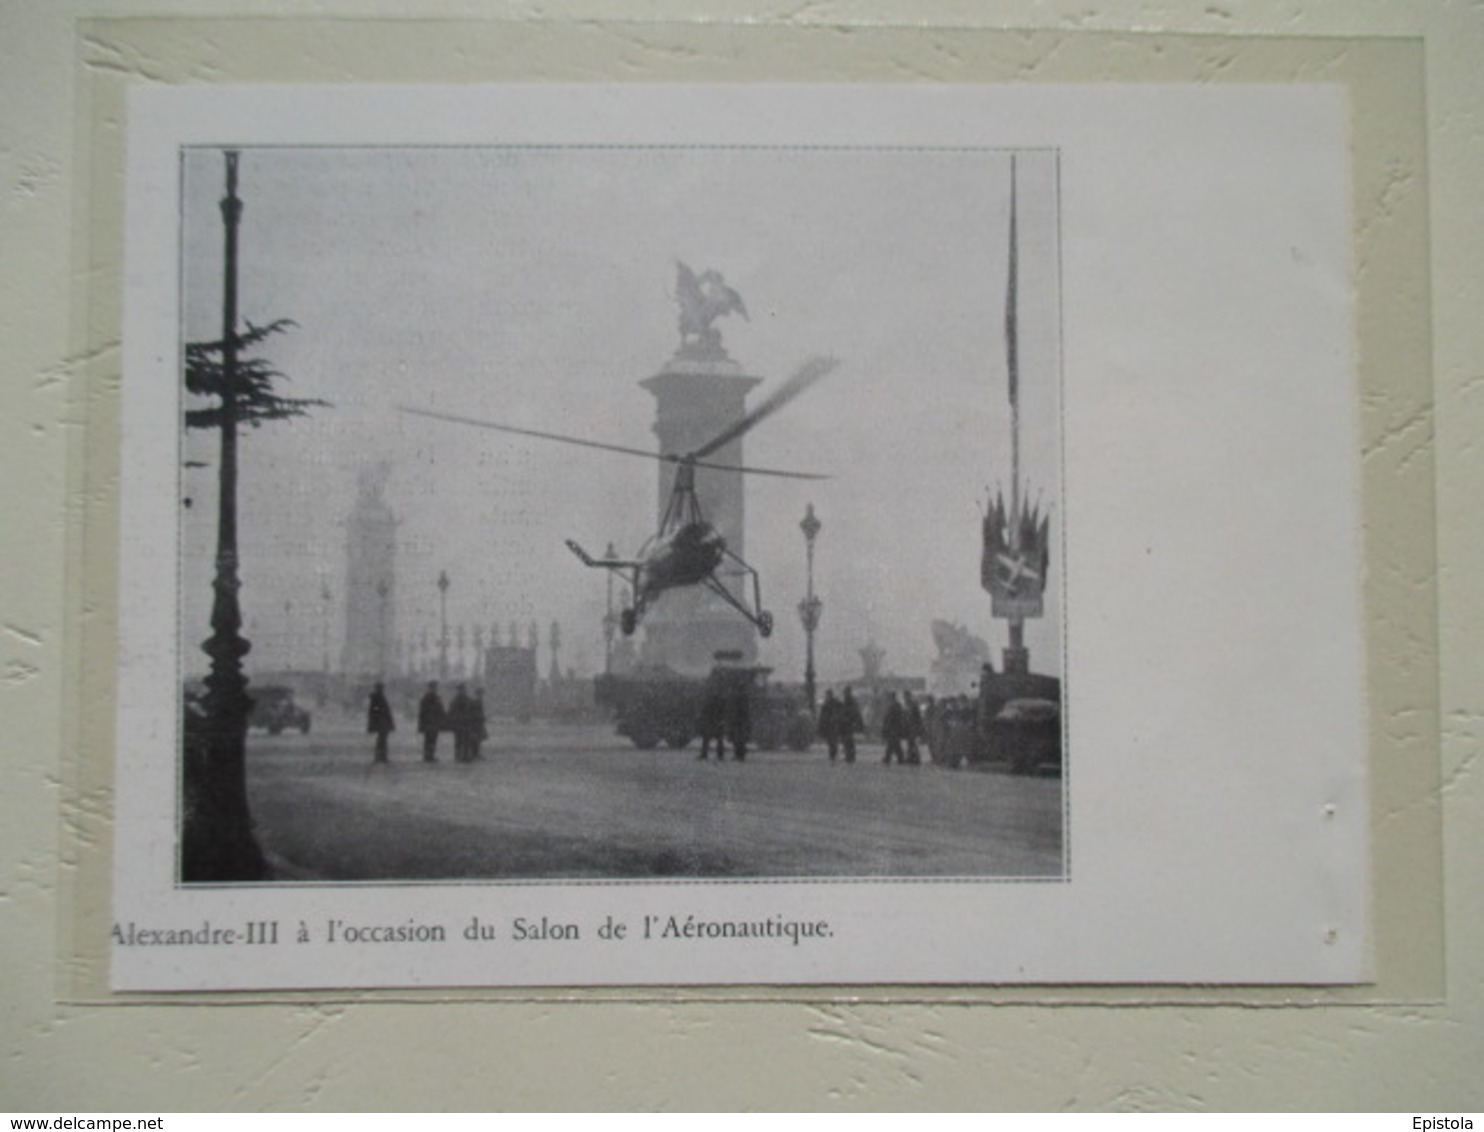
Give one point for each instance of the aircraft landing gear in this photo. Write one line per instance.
(765, 624)
(627, 621)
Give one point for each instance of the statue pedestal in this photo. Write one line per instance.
(1017, 661)
(697, 398)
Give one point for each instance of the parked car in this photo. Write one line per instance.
(1027, 733)
(275, 710)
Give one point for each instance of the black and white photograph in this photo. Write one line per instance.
(682, 535)
(626, 513)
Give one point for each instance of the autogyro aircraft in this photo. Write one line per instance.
(686, 550)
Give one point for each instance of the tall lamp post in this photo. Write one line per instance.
(610, 619)
(219, 842)
(288, 635)
(811, 607)
(443, 584)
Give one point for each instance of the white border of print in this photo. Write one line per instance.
(1211, 493)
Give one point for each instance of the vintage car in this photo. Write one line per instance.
(275, 710)
(1027, 734)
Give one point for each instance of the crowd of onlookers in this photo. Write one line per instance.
(908, 726)
(463, 718)
(946, 730)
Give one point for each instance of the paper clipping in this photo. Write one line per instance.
(581, 536)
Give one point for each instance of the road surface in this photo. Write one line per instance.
(570, 801)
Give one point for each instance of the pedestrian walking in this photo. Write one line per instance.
(739, 721)
(712, 721)
(830, 725)
(932, 737)
(379, 721)
(851, 724)
(914, 729)
(431, 720)
(460, 722)
(893, 729)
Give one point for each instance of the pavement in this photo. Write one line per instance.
(573, 801)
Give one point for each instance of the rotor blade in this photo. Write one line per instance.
(761, 471)
(805, 376)
(532, 432)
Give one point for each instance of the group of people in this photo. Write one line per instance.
(464, 717)
(840, 721)
(902, 727)
(902, 730)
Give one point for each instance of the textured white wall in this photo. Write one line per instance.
(670, 1055)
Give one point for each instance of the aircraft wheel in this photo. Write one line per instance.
(628, 621)
(765, 623)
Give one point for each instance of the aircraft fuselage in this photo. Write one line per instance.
(685, 557)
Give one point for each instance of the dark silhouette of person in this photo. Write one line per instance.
(712, 721)
(739, 721)
(431, 719)
(831, 722)
(379, 721)
(913, 730)
(894, 729)
(460, 722)
(932, 736)
(851, 723)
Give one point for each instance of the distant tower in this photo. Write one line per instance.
(370, 580)
(698, 393)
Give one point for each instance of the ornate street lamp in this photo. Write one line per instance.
(811, 607)
(443, 584)
(288, 635)
(219, 842)
(610, 619)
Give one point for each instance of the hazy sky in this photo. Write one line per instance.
(535, 287)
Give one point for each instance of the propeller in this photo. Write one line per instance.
(802, 378)
(437, 416)
(806, 375)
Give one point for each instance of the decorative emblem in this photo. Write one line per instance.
(1015, 559)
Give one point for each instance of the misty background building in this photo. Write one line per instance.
(370, 580)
